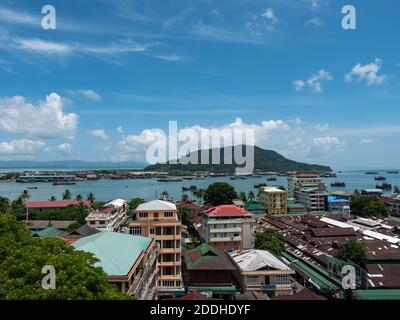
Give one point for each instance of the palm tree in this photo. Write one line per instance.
(185, 197)
(67, 195)
(242, 196)
(25, 195)
(91, 198)
(251, 196)
(164, 195)
(52, 198)
(79, 197)
(396, 189)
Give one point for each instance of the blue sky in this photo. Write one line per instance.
(113, 70)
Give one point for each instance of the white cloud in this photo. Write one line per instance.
(292, 138)
(169, 57)
(315, 22)
(17, 17)
(322, 127)
(87, 93)
(368, 141)
(315, 3)
(46, 120)
(65, 148)
(99, 133)
(327, 145)
(41, 46)
(299, 84)
(368, 72)
(120, 129)
(22, 147)
(257, 24)
(314, 82)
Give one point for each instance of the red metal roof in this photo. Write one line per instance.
(226, 210)
(54, 204)
(306, 175)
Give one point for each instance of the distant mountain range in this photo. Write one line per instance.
(264, 160)
(70, 164)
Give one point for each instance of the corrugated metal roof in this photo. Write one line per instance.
(156, 205)
(117, 252)
(253, 260)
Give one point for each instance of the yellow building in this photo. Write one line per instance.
(159, 220)
(274, 199)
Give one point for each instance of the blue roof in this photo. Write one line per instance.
(117, 252)
(332, 199)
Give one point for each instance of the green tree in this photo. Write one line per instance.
(396, 190)
(91, 198)
(251, 196)
(5, 205)
(354, 251)
(67, 195)
(186, 216)
(185, 197)
(270, 240)
(133, 204)
(72, 227)
(368, 206)
(22, 258)
(242, 196)
(219, 193)
(79, 197)
(53, 198)
(164, 195)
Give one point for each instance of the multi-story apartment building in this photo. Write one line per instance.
(159, 220)
(299, 181)
(228, 226)
(110, 217)
(275, 200)
(130, 262)
(314, 199)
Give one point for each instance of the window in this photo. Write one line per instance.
(135, 230)
(143, 215)
(168, 214)
(102, 222)
(151, 230)
(252, 279)
(92, 222)
(168, 283)
(158, 231)
(282, 279)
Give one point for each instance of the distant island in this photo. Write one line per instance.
(70, 164)
(264, 161)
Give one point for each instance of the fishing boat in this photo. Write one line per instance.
(169, 180)
(31, 188)
(371, 172)
(338, 184)
(380, 178)
(384, 186)
(392, 172)
(64, 183)
(271, 179)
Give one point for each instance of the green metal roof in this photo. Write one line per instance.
(377, 294)
(117, 252)
(253, 206)
(215, 289)
(206, 257)
(317, 275)
(49, 232)
(295, 205)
